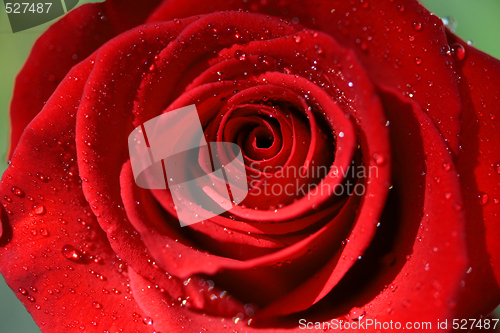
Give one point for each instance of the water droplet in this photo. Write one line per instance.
(297, 39)
(446, 49)
(458, 51)
(449, 22)
(17, 191)
(97, 305)
(379, 159)
(240, 55)
(483, 198)
(356, 313)
(31, 299)
(417, 25)
(250, 311)
(42, 177)
(418, 60)
(446, 167)
(457, 206)
(401, 8)
(39, 209)
(23, 291)
(69, 252)
(447, 195)
(148, 321)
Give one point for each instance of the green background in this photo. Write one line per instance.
(477, 20)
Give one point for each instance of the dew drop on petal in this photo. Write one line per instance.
(449, 22)
(97, 305)
(240, 55)
(417, 25)
(39, 209)
(483, 198)
(148, 321)
(69, 252)
(458, 51)
(356, 313)
(17, 191)
(446, 49)
(379, 159)
(496, 166)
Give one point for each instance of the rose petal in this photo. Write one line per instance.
(425, 285)
(173, 318)
(55, 255)
(81, 31)
(479, 167)
(392, 50)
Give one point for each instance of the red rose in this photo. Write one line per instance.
(345, 85)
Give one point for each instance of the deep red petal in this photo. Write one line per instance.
(54, 253)
(383, 34)
(67, 42)
(428, 255)
(170, 317)
(63, 45)
(479, 167)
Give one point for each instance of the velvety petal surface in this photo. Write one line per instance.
(54, 254)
